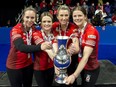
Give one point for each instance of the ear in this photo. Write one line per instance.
(86, 18)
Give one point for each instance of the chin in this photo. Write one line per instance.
(47, 29)
(63, 23)
(79, 23)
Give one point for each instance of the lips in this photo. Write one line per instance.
(77, 20)
(46, 26)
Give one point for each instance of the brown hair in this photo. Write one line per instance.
(46, 14)
(30, 8)
(80, 8)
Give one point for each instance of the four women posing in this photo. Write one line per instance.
(25, 39)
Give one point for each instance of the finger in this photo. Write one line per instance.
(65, 78)
(67, 83)
(64, 81)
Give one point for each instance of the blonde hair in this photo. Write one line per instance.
(63, 7)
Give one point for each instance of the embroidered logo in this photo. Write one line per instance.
(88, 78)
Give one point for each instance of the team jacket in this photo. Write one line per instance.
(90, 38)
(17, 59)
(41, 59)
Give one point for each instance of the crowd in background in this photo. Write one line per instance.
(100, 12)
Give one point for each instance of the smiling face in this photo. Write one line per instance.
(46, 23)
(63, 16)
(29, 18)
(79, 18)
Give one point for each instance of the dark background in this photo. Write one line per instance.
(9, 9)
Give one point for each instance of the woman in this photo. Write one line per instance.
(43, 64)
(19, 62)
(65, 28)
(88, 65)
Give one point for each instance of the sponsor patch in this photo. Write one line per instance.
(92, 36)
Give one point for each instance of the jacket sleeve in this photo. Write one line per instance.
(19, 45)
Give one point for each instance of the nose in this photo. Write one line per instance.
(29, 19)
(63, 17)
(46, 23)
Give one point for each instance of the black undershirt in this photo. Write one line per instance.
(19, 45)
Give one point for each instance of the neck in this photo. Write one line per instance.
(26, 29)
(64, 27)
(47, 32)
(81, 27)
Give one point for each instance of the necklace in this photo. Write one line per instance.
(80, 54)
(48, 37)
(28, 39)
(81, 31)
(60, 30)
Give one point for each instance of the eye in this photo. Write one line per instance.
(49, 21)
(61, 15)
(32, 17)
(74, 15)
(66, 15)
(43, 21)
(27, 17)
(79, 15)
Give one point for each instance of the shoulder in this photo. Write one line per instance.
(37, 33)
(72, 24)
(55, 24)
(90, 29)
(17, 28)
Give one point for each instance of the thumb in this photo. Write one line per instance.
(65, 79)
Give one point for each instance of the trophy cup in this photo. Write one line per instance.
(62, 59)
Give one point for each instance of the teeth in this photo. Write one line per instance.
(77, 20)
(47, 26)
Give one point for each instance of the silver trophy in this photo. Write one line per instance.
(62, 59)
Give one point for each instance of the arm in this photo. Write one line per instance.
(19, 44)
(74, 47)
(86, 53)
(52, 52)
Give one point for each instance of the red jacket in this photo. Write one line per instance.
(17, 59)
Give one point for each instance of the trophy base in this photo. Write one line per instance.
(60, 78)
